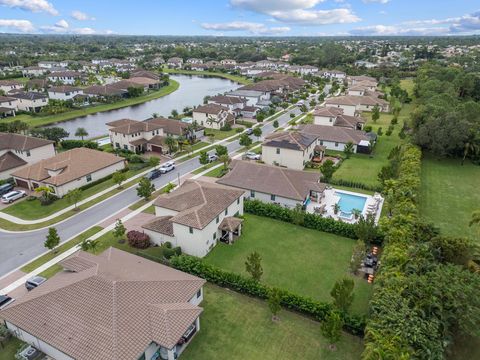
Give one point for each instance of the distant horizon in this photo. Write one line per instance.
(245, 18)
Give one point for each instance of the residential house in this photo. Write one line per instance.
(31, 101)
(18, 151)
(365, 64)
(289, 149)
(34, 71)
(336, 137)
(228, 62)
(231, 102)
(158, 61)
(7, 86)
(334, 75)
(104, 92)
(352, 104)
(304, 69)
(332, 116)
(8, 106)
(112, 306)
(354, 80)
(175, 62)
(68, 170)
(252, 97)
(177, 128)
(274, 184)
(52, 64)
(213, 116)
(193, 61)
(65, 77)
(39, 85)
(196, 216)
(124, 85)
(199, 67)
(137, 136)
(64, 92)
(140, 73)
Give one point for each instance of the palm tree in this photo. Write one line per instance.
(226, 160)
(155, 115)
(180, 142)
(170, 142)
(81, 132)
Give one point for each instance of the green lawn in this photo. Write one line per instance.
(31, 210)
(365, 168)
(235, 326)
(408, 85)
(10, 349)
(307, 262)
(449, 194)
(205, 167)
(196, 146)
(215, 172)
(240, 79)
(220, 134)
(34, 121)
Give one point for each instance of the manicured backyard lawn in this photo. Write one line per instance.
(364, 168)
(307, 262)
(449, 194)
(10, 349)
(235, 326)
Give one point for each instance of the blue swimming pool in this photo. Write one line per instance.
(348, 202)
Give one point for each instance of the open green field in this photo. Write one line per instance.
(235, 326)
(34, 121)
(449, 194)
(237, 78)
(307, 262)
(365, 168)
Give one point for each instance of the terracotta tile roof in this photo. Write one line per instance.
(58, 74)
(121, 122)
(125, 84)
(141, 80)
(73, 164)
(113, 309)
(289, 140)
(230, 223)
(10, 161)
(135, 127)
(170, 126)
(287, 183)
(4, 99)
(210, 109)
(145, 74)
(348, 121)
(10, 83)
(103, 90)
(355, 100)
(29, 95)
(161, 224)
(328, 111)
(334, 133)
(63, 89)
(198, 202)
(227, 100)
(21, 142)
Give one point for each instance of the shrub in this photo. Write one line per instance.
(168, 245)
(238, 130)
(138, 239)
(246, 285)
(367, 128)
(72, 144)
(226, 127)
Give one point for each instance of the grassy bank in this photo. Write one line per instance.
(240, 79)
(34, 121)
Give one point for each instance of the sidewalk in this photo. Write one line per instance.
(20, 221)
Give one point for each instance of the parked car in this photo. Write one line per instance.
(5, 188)
(252, 156)
(34, 282)
(155, 173)
(249, 131)
(168, 166)
(5, 300)
(12, 196)
(212, 157)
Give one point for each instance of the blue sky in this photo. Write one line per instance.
(242, 17)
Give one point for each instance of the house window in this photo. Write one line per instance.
(190, 230)
(226, 211)
(272, 197)
(278, 150)
(214, 235)
(125, 147)
(238, 201)
(89, 177)
(199, 293)
(252, 193)
(331, 119)
(117, 145)
(321, 142)
(336, 144)
(28, 152)
(218, 219)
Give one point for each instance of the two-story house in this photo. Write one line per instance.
(8, 105)
(64, 93)
(213, 116)
(196, 216)
(31, 101)
(64, 77)
(333, 116)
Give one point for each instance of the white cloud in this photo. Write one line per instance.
(31, 5)
(251, 27)
(81, 16)
(297, 11)
(61, 26)
(393, 30)
(84, 31)
(376, 1)
(17, 25)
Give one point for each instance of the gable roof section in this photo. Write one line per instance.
(113, 308)
(21, 142)
(210, 109)
(170, 126)
(135, 127)
(287, 183)
(334, 133)
(10, 161)
(197, 203)
(292, 140)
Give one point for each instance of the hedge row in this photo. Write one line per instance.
(72, 144)
(310, 221)
(355, 184)
(307, 306)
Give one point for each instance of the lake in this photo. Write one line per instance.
(191, 92)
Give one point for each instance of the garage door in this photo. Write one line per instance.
(22, 183)
(157, 149)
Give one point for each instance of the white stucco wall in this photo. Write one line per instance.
(324, 120)
(266, 198)
(339, 146)
(37, 154)
(63, 96)
(25, 104)
(292, 159)
(347, 109)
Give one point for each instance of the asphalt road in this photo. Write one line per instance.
(18, 248)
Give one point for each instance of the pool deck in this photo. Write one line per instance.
(373, 204)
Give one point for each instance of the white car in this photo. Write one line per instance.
(212, 157)
(12, 196)
(168, 166)
(252, 156)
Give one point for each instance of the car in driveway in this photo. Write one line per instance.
(34, 282)
(252, 156)
(5, 188)
(212, 157)
(168, 166)
(12, 196)
(5, 300)
(249, 131)
(155, 173)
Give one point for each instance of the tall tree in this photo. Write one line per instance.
(52, 240)
(225, 159)
(253, 265)
(342, 294)
(332, 328)
(221, 150)
(81, 132)
(145, 188)
(119, 230)
(74, 196)
(257, 132)
(245, 140)
(171, 143)
(327, 169)
(203, 158)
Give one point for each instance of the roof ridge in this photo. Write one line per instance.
(290, 183)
